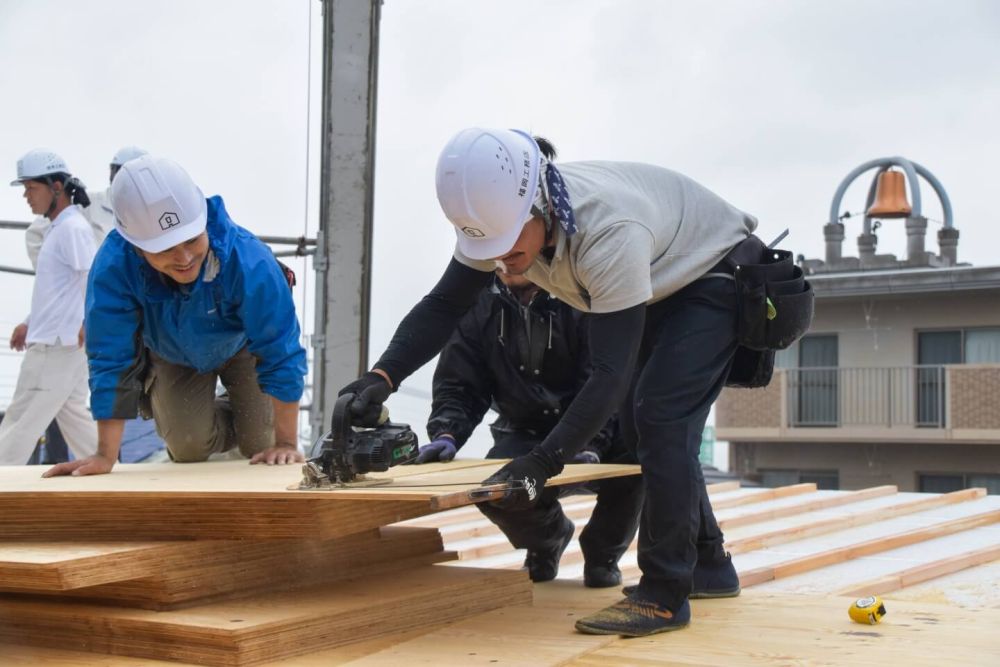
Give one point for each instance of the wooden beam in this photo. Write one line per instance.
(852, 551)
(924, 572)
(824, 526)
(810, 506)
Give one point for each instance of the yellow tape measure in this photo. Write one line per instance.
(867, 611)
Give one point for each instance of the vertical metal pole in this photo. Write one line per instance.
(347, 176)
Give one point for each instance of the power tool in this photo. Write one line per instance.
(341, 457)
(867, 611)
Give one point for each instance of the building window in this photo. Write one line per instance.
(935, 349)
(948, 482)
(814, 385)
(959, 346)
(827, 480)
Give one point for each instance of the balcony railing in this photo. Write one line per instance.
(832, 397)
(901, 404)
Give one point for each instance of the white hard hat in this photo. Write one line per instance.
(486, 184)
(127, 153)
(38, 163)
(156, 204)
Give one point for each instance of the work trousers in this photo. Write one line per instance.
(52, 384)
(686, 353)
(195, 423)
(612, 524)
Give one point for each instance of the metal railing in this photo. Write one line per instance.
(891, 397)
(304, 246)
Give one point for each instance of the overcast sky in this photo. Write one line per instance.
(770, 103)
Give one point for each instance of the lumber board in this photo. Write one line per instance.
(234, 500)
(576, 506)
(218, 570)
(760, 496)
(918, 574)
(269, 627)
(853, 520)
(795, 566)
(836, 500)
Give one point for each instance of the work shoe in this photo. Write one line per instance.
(634, 617)
(543, 565)
(604, 575)
(711, 580)
(717, 579)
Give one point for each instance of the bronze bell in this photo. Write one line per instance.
(890, 197)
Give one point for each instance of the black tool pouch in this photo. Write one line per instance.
(775, 301)
(751, 368)
(774, 305)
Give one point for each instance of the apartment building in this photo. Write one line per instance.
(898, 380)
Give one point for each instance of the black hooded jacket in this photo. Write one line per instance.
(526, 362)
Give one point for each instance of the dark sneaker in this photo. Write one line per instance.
(544, 565)
(712, 580)
(604, 575)
(715, 580)
(632, 617)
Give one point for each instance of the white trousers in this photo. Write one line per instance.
(52, 384)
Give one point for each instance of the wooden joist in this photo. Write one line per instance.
(857, 550)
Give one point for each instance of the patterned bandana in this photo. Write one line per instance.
(558, 196)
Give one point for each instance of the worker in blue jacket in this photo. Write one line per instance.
(180, 297)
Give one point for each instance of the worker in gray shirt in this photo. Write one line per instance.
(648, 253)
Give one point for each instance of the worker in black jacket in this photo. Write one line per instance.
(524, 353)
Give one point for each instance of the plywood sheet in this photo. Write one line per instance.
(753, 629)
(182, 574)
(768, 630)
(269, 627)
(231, 500)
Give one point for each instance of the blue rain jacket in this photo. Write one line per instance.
(246, 302)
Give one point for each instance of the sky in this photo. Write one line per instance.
(769, 103)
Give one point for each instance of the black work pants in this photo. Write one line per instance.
(686, 352)
(612, 524)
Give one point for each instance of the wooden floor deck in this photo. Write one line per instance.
(803, 555)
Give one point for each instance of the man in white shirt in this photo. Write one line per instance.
(53, 378)
(98, 212)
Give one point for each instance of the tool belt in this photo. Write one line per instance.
(774, 308)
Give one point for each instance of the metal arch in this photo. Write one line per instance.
(906, 165)
(949, 220)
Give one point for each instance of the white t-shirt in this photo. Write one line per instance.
(61, 280)
(643, 233)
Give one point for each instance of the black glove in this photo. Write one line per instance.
(441, 448)
(586, 455)
(370, 392)
(532, 470)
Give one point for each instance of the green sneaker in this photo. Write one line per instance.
(631, 617)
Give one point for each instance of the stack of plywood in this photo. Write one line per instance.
(225, 564)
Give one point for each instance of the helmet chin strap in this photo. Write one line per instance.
(55, 197)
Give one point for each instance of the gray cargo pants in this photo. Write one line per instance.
(194, 423)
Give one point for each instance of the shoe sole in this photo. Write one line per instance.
(714, 595)
(592, 630)
(701, 595)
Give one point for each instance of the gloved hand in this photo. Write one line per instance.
(532, 470)
(370, 391)
(586, 456)
(441, 448)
